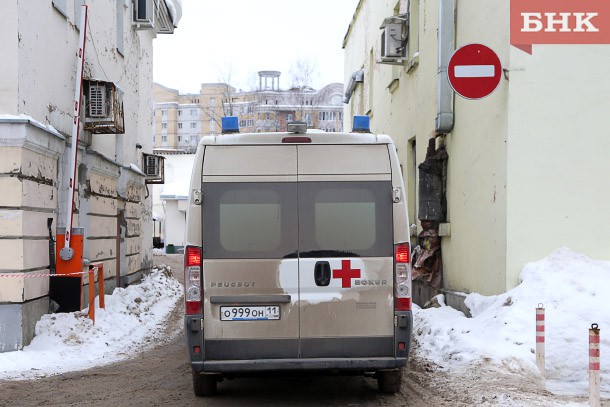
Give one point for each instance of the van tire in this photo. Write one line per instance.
(389, 381)
(204, 385)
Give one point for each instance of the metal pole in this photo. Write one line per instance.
(66, 253)
(540, 362)
(594, 382)
(91, 295)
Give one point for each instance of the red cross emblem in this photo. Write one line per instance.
(346, 273)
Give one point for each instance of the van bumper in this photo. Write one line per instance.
(267, 365)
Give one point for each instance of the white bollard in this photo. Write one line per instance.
(540, 339)
(594, 383)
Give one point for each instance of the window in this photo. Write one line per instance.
(164, 138)
(193, 139)
(249, 109)
(164, 113)
(212, 102)
(179, 125)
(268, 116)
(345, 218)
(250, 220)
(327, 116)
(193, 125)
(193, 112)
(289, 118)
(179, 112)
(309, 119)
(179, 139)
(164, 126)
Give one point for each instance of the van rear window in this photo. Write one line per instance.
(249, 220)
(313, 219)
(345, 218)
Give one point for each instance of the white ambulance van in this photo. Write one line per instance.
(297, 256)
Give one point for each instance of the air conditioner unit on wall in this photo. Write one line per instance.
(103, 107)
(394, 37)
(143, 14)
(154, 168)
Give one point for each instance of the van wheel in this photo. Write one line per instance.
(204, 384)
(389, 381)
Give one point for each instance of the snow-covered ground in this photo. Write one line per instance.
(571, 287)
(500, 335)
(131, 321)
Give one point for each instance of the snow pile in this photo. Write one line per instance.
(501, 332)
(134, 318)
(22, 117)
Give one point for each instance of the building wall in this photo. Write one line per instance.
(512, 197)
(36, 101)
(557, 150)
(10, 60)
(474, 256)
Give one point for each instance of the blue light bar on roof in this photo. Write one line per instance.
(230, 125)
(362, 124)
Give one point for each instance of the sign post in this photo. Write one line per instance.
(474, 71)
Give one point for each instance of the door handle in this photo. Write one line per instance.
(321, 273)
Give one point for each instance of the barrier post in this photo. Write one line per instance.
(540, 362)
(99, 269)
(91, 295)
(594, 382)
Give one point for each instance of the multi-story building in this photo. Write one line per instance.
(180, 119)
(519, 168)
(111, 205)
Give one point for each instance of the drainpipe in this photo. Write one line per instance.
(446, 47)
(357, 76)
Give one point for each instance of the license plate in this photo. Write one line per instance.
(250, 313)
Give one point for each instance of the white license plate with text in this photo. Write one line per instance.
(250, 313)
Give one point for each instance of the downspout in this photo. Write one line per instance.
(446, 46)
(357, 76)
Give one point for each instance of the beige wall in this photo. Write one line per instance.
(558, 153)
(523, 163)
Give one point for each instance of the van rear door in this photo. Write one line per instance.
(345, 251)
(250, 268)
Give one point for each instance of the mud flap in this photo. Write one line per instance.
(194, 341)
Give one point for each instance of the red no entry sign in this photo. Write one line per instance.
(474, 71)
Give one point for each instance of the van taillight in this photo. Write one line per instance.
(402, 277)
(192, 280)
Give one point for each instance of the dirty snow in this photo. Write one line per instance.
(570, 286)
(499, 337)
(134, 318)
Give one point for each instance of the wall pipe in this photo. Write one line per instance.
(357, 76)
(446, 47)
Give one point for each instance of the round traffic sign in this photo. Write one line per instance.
(474, 71)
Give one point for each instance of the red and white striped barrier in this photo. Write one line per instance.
(21, 275)
(540, 362)
(594, 382)
(95, 268)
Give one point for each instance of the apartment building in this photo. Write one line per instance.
(518, 170)
(111, 205)
(181, 119)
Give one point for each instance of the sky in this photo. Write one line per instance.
(216, 39)
(500, 335)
